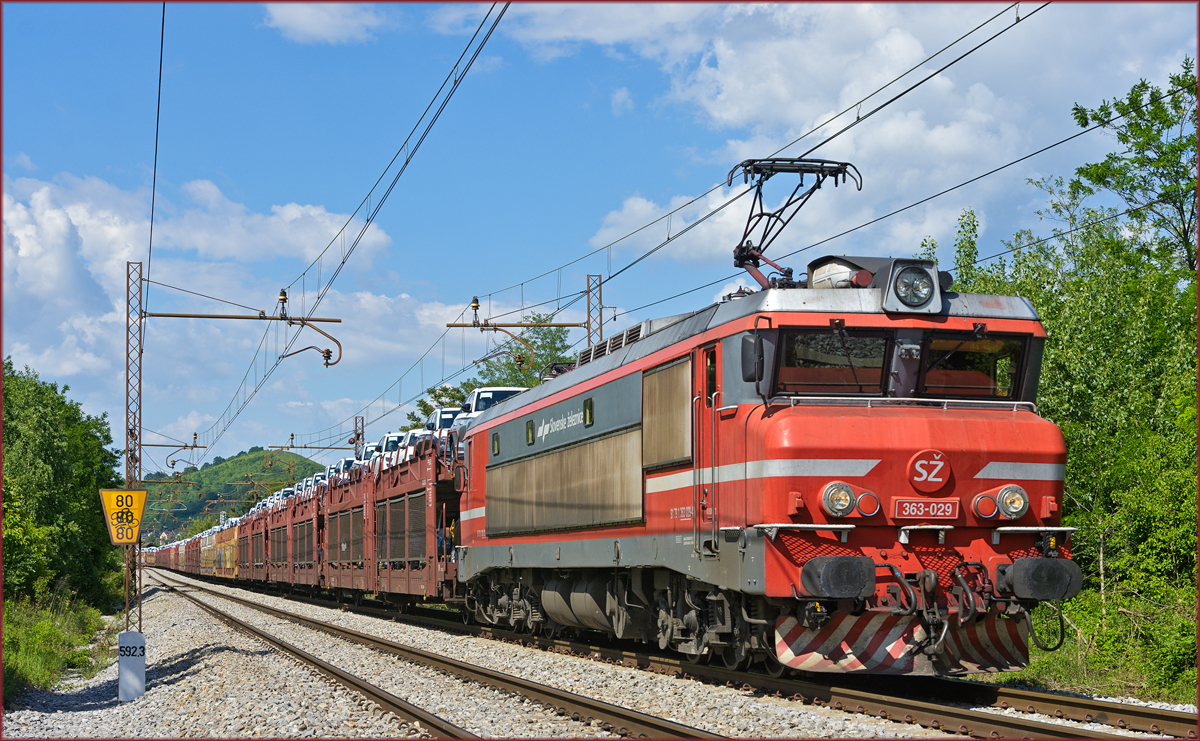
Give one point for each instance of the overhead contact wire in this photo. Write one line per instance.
(154, 172)
(454, 87)
(795, 141)
(722, 206)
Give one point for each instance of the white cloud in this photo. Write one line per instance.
(733, 286)
(621, 102)
(65, 247)
(327, 23)
(223, 229)
(768, 74)
(22, 160)
(183, 426)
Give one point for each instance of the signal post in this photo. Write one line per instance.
(123, 512)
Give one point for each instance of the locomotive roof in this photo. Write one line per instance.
(655, 334)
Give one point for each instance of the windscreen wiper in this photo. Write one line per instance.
(980, 332)
(839, 326)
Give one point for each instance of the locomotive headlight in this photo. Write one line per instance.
(838, 499)
(1013, 501)
(914, 286)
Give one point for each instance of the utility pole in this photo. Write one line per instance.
(133, 420)
(360, 436)
(595, 310)
(135, 315)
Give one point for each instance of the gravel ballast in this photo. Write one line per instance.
(202, 679)
(722, 710)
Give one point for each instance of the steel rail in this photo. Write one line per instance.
(437, 727)
(1143, 719)
(614, 718)
(897, 708)
(898, 703)
(1137, 718)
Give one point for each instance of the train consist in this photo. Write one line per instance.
(844, 473)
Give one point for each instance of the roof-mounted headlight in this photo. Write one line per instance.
(1012, 501)
(838, 499)
(913, 286)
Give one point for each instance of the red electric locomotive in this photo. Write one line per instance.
(844, 473)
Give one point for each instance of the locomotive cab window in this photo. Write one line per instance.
(830, 361)
(710, 376)
(959, 364)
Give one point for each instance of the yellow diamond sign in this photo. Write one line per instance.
(123, 511)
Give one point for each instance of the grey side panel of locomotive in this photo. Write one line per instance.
(738, 566)
(573, 464)
(616, 405)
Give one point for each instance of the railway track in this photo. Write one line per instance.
(613, 718)
(910, 704)
(436, 727)
(846, 692)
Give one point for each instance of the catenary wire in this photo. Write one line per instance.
(993, 171)
(795, 141)
(457, 80)
(202, 295)
(703, 218)
(920, 82)
(403, 147)
(858, 120)
(948, 190)
(154, 172)
(1059, 235)
(729, 201)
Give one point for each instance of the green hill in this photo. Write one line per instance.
(191, 501)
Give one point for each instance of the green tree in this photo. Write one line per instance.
(56, 459)
(549, 346)
(447, 396)
(1118, 300)
(506, 367)
(1156, 171)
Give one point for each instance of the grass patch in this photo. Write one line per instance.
(45, 637)
(1126, 646)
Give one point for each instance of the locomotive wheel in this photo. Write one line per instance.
(735, 658)
(773, 667)
(700, 658)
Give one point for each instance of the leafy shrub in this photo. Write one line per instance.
(45, 637)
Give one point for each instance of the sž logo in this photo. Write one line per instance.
(929, 471)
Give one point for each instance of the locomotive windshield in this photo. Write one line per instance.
(960, 365)
(832, 362)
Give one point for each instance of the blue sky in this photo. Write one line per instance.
(578, 124)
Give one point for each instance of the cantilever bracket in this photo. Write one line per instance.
(484, 327)
(326, 353)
